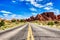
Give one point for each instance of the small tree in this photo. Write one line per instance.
(2, 23)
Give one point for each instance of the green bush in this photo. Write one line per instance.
(50, 23)
(13, 20)
(22, 20)
(2, 23)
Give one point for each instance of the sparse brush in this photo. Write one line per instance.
(50, 23)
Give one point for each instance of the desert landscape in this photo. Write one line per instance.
(29, 20)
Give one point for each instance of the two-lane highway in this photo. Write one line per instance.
(31, 31)
(43, 33)
(19, 33)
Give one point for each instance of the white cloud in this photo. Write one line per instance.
(5, 15)
(34, 3)
(39, 0)
(17, 16)
(13, 16)
(21, 0)
(49, 4)
(6, 12)
(56, 11)
(48, 8)
(27, 0)
(33, 9)
(13, 1)
(34, 14)
(10, 15)
(30, 0)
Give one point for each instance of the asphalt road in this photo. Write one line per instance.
(19, 33)
(36, 32)
(45, 33)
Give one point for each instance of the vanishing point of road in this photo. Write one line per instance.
(31, 31)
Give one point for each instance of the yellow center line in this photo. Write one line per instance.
(30, 34)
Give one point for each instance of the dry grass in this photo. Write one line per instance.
(45, 23)
(11, 25)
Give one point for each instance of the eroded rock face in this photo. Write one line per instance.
(39, 17)
(49, 16)
(58, 17)
(45, 17)
(32, 18)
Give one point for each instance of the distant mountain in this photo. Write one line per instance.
(46, 16)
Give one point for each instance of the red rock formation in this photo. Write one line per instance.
(32, 18)
(58, 17)
(28, 19)
(46, 16)
(39, 17)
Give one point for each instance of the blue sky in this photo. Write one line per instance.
(25, 8)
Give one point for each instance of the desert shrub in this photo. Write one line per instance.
(2, 23)
(36, 21)
(56, 22)
(22, 20)
(13, 20)
(50, 23)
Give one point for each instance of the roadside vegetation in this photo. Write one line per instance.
(53, 24)
(6, 24)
